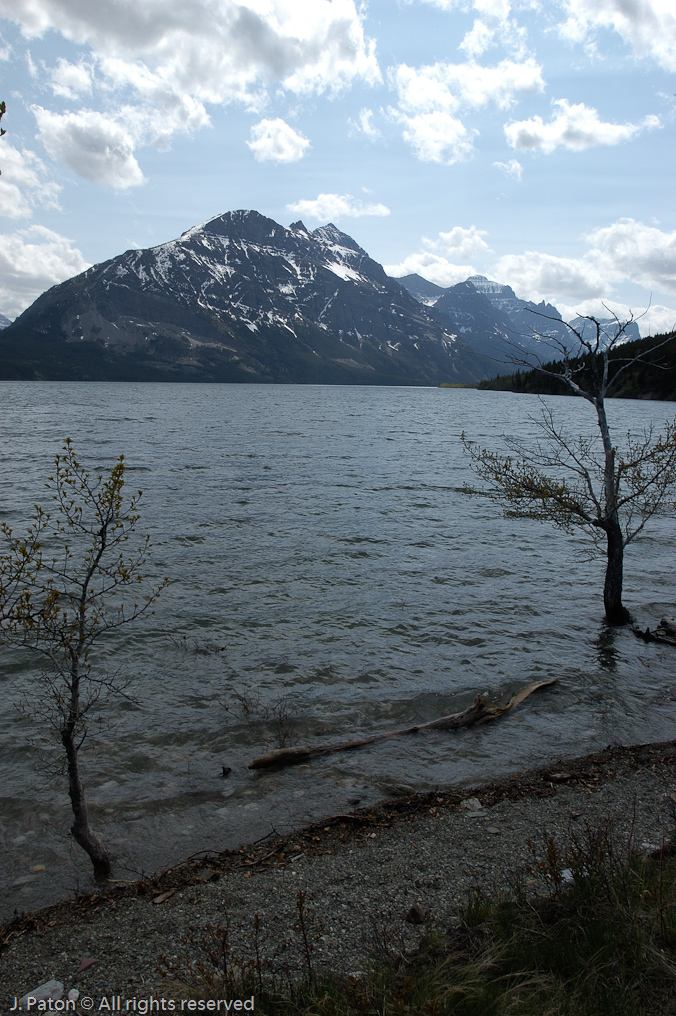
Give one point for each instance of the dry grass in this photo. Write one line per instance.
(595, 935)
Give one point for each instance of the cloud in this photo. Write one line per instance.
(32, 260)
(512, 168)
(625, 251)
(575, 127)
(24, 183)
(430, 96)
(631, 250)
(480, 38)
(491, 8)
(174, 58)
(436, 137)
(463, 242)
(432, 267)
(329, 207)
(494, 24)
(215, 51)
(537, 276)
(648, 26)
(459, 241)
(69, 80)
(275, 141)
(651, 321)
(364, 125)
(448, 87)
(95, 146)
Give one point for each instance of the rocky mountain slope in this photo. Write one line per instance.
(239, 298)
(492, 318)
(495, 322)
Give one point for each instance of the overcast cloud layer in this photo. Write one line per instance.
(518, 140)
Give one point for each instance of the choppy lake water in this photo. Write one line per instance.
(329, 576)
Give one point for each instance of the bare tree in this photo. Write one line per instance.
(64, 586)
(583, 482)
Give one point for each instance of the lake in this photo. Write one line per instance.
(329, 576)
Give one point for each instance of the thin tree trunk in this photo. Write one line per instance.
(80, 829)
(616, 612)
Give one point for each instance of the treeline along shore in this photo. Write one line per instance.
(652, 377)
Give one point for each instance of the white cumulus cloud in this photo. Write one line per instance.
(632, 250)
(329, 207)
(491, 8)
(460, 241)
(69, 80)
(480, 38)
(276, 141)
(465, 243)
(624, 251)
(648, 26)
(432, 267)
(537, 276)
(95, 146)
(512, 168)
(215, 51)
(651, 320)
(364, 125)
(24, 183)
(448, 87)
(174, 58)
(437, 136)
(573, 126)
(32, 260)
(429, 98)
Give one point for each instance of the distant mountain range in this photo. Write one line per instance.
(242, 298)
(495, 322)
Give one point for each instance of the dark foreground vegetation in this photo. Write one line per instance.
(651, 378)
(590, 932)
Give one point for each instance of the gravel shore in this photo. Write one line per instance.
(360, 873)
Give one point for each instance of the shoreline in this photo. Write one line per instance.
(353, 869)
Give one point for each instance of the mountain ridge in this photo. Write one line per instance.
(238, 298)
(242, 298)
(517, 329)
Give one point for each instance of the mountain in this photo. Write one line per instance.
(491, 318)
(608, 327)
(541, 319)
(486, 329)
(533, 321)
(4, 321)
(238, 298)
(424, 291)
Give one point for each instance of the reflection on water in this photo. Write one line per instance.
(329, 577)
(608, 653)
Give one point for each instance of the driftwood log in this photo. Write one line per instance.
(660, 634)
(479, 712)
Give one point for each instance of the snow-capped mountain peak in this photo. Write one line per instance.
(240, 296)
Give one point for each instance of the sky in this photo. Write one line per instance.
(530, 141)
